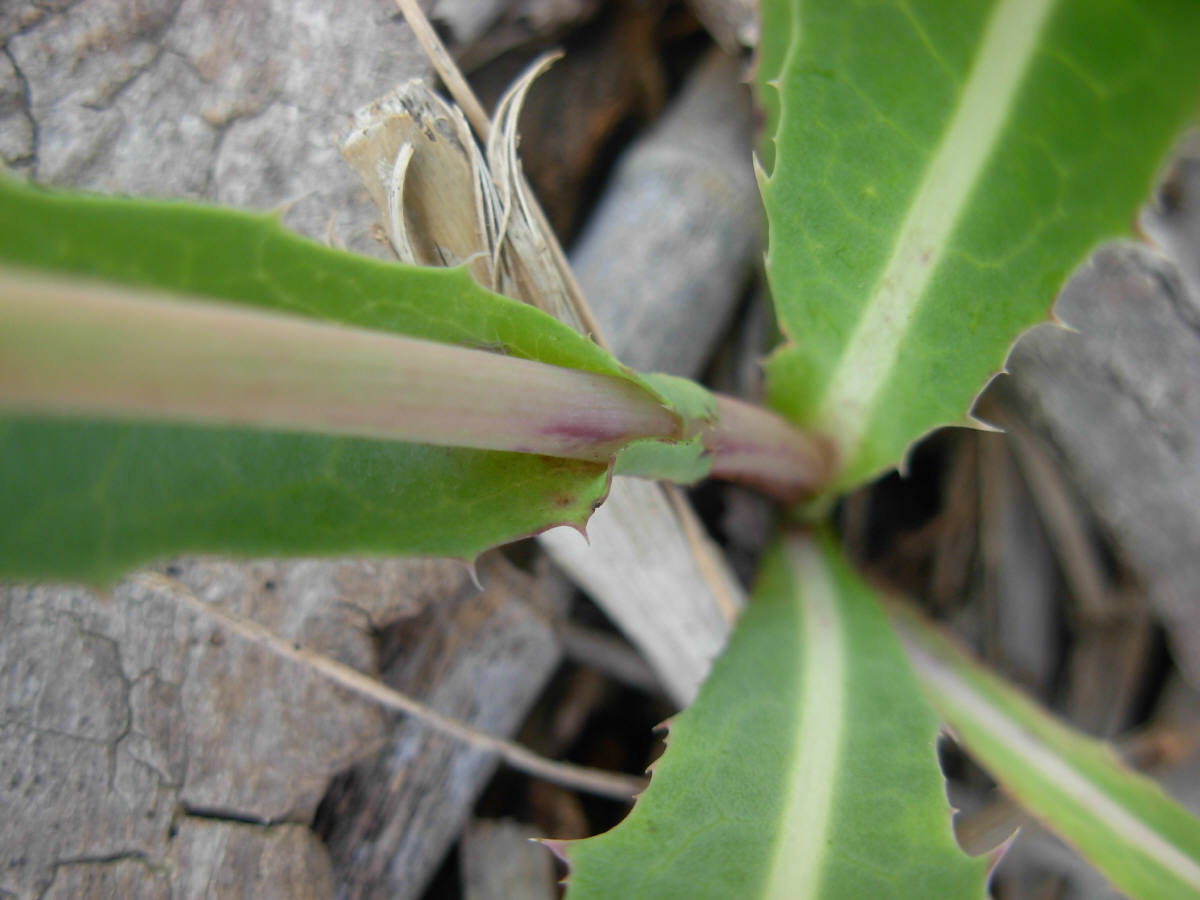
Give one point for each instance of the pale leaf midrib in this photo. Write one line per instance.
(795, 872)
(974, 707)
(865, 366)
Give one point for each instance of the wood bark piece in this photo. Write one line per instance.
(471, 22)
(676, 238)
(479, 657)
(1108, 664)
(1111, 625)
(642, 570)
(129, 879)
(466, 20)
(327, 606)
(121, 710)
(1117, 400)
(1173, 220)
(232, 103)
(1020, 581)
(499, 861)
(246, 862)
(607, 653)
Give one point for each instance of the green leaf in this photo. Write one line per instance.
(774, 40)
(1145, 843)
(88, 500)
(940, 169)
(805, 768)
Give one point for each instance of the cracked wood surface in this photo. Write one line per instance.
(124, 714)
(231, 103)
(234, 104)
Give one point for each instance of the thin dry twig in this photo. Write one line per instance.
(1077, 553)
(581, 778)
(445, 66)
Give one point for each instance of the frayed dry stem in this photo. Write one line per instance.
(461, 91)
(445, 66)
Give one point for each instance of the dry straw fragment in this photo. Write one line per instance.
(649, 565)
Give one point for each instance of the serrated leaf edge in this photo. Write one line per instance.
(1009, 43)
(958, 700)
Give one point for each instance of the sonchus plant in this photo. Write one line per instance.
(175, 378)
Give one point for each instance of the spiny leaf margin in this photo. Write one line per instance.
(89, 500)
(867, 92)
(1141, 839)
(714, 821)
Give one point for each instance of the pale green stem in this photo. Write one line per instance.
(75, 348)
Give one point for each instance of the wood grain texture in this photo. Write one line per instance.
(479, 657)
(126, 716)
(667, 254)
(1117, 401)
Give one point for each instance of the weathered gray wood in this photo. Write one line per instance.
(480, 657)
(732, 23)
(129, 879)
(1110, 624)
(327, 606)
(647, 580)
(246, 862)
(1020, 589)
(121, 710)
(500, 861)
(607, 653)
(670, 249)
(233, 103)
(1118, 401)
(1172, 220)
(466, 20)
